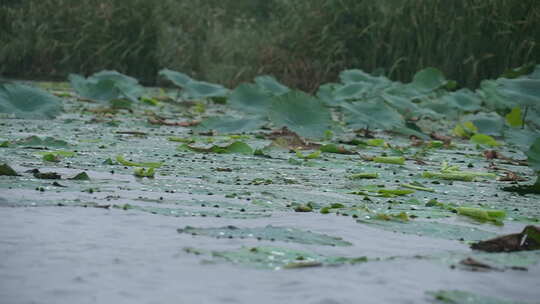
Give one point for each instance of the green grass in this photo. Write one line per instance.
(303, 43)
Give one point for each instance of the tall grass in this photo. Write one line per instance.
(302, 42)
(51, 38)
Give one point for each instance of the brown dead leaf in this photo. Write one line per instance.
(447, 140)
(475, 265)
(511, 177)
(492, 154)
(288, 139)
(163, 122)
(528, 239)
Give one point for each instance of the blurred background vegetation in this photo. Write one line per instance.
(302, 42)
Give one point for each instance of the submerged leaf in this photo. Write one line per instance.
(269, 233)
(431, 229)
(282, 258)
(461, 297)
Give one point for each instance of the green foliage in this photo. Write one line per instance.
(232, 41)
(429, 79)
(482, 139)
(107, 86)
(236, 147)
(120, 159)
(28, 102)
(228, 124)
(372, 114)
(534, 155)
(194, 89)
(250, 98)
(301, 113)
(53, 38)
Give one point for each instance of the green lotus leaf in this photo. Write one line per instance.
(351, 91)
(193, 88)
(356, 76)
(250, 98)
(524, 91)
(372, 114)
(229, 124)
(301, 113)
(28, 102)
(271, 85)
(464, 100)
(428, 80)
(179, 79)
(202, 89)
(487, 123)
(534, 155)
(107, 86)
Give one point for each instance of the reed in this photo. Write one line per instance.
(303, 43)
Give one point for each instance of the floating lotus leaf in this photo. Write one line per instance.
(431, 229)
(282, 258)
(269, 233)
(460, 297)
